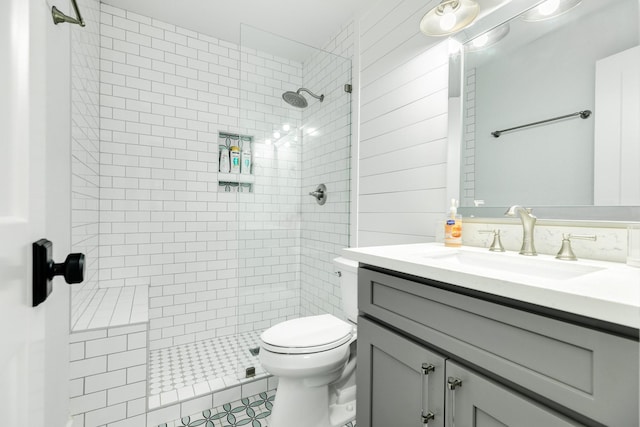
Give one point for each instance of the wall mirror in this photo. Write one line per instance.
(538, 64)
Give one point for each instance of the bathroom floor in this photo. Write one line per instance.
(251, 412)
(189, 370)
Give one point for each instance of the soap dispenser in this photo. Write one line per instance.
(453, 226)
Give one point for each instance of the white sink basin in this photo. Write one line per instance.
(530, 266)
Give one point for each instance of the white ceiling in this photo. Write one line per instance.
(312, 22)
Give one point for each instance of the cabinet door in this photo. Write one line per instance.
(398, 380)
(479, 402)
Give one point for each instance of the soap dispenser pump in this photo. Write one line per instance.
(453, 226)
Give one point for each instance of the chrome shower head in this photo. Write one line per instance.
(297, 100)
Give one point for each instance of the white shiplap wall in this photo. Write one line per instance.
(403, 126)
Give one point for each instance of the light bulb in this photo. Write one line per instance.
(286, 127)
(267, 141)
(276, 134)
(480, 40)
(448, 20)
(547, 8)
(287, 144)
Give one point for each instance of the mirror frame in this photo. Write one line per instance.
(454, 139)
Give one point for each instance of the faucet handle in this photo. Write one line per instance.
(496, 245)
(565, 252)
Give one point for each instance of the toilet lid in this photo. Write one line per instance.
(307, 334)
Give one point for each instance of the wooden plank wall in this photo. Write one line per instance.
(403, 126)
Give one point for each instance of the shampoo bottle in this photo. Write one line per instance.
(453, 226)
(225, 163)
(245, 156)
(234, 155)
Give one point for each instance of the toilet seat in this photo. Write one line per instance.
(307, 335)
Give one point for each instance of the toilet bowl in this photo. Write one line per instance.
(314, 360)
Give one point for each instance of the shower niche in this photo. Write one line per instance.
(235, 162)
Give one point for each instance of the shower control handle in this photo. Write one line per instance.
(320, 194)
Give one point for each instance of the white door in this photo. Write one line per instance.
(617, 130)
(33, 341)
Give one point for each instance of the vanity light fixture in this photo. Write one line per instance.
(449, 17)
(549, 9)
(489, 38)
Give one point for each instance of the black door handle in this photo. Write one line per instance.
(44, 269)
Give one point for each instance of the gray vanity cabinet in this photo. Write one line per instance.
(514, 359)
(393, 372)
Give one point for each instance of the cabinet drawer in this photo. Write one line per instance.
(590, 373)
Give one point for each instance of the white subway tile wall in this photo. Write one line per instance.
(85, 148)
(469, 145)
(166, 93)
(165, 223)
(108, 373)
(403, 127)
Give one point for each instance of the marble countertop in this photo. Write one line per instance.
(607, 291)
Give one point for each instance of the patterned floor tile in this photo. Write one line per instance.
(175, 368)
(250, 412)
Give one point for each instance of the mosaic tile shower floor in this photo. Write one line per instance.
(189, 370)
(251, 412)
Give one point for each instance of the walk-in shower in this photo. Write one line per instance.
(273, 244)
(297, 100)
(188, 261)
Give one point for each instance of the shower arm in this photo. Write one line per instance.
(321, 97)
(59, 17)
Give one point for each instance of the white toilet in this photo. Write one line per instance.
(314, 360)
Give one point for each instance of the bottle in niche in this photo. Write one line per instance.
(225, 164)
(453, 226)
(234, 156)
(245, 157)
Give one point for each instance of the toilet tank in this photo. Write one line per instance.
(348, 271)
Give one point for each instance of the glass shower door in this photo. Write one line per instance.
(286, 240)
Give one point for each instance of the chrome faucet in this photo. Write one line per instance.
(528, 223)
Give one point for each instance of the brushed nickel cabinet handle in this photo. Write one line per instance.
(426, 415)
(452, 385)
